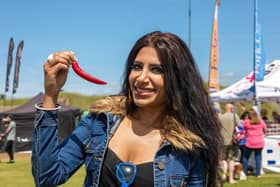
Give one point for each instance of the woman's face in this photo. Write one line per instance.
(146, 79)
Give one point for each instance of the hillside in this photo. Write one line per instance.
(79, 100)
(83, 102)
(73, 99)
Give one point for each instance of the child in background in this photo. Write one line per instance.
(242, 140)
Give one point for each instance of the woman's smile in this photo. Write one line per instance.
(143, 91)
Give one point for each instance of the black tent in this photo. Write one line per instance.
(24, 117)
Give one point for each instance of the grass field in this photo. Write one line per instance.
(19, 174)
(266, 180)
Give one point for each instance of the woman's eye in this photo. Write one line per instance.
(136, 67)
(157, 70)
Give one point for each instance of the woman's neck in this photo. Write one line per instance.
(149, 118)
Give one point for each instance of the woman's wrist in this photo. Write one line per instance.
(41, 107)
(49, 101)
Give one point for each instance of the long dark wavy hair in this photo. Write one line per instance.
(184, 88)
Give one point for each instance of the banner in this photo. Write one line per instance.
(9, 63)
(259, 55)
(213, 80)
(17, 66)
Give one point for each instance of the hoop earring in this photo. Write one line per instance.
(174, 105)
(129, 98)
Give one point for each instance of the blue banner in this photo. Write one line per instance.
(259, 55)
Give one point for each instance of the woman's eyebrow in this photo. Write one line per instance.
(157, 65)
(138, 61)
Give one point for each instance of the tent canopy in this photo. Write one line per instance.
(243, 90)
(24, 116)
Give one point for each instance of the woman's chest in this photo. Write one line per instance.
(132, 148)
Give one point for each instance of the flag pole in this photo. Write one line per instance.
(213, 79)
(17, 66)
(258, 57)
(255, 102)
(9, 65)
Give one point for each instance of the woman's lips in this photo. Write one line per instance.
(143, 91)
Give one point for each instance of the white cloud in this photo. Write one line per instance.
(228, 78)
(228, 75)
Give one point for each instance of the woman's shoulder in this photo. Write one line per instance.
(190, 155)
(95, 121)
(263, 122)
(196, 158)
(113, 105)
(246, 122)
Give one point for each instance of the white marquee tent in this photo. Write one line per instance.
(267, 90)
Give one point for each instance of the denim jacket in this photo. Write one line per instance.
(54, 163)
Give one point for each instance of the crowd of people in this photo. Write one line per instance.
(243, 136)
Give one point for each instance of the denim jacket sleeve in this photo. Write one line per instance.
(54, 163)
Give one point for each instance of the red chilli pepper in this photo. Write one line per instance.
(84, 75)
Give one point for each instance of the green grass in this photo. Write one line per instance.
(266, 180)
(19, 174)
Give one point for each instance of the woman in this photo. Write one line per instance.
(255, 131)
(161, 128)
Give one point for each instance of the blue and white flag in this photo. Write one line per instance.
(259, 55)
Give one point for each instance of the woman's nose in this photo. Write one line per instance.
(143, 76)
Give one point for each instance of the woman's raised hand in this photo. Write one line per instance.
(55, 74)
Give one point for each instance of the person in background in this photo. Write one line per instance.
(276, 117)
(230, 152)
(241, 132)
(264, 114)
(242, 139)
(159, 131)
(255, 130)
(10, 135)
(217, 111)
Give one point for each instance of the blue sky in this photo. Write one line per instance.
(101, 33)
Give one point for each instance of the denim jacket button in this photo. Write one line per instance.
(161, 165)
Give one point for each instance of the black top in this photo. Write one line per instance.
(144, 174)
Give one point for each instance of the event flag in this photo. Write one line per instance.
(259, 55)
(17, 66)
(213, 80)
(9, 63)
